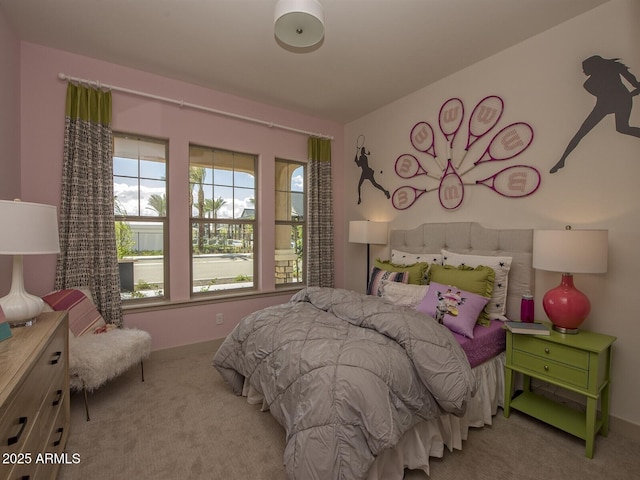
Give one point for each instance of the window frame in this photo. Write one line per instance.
(164, 220)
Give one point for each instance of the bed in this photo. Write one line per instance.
(328, 437)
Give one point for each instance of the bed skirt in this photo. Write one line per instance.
(429, 438)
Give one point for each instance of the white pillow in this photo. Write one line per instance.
(497, 306)
(403, 293)
(404, 258)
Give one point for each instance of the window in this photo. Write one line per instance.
(140, 190)
(290, 222)
(223, 219)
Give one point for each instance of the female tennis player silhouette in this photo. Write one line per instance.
(367, 173)
(612, 97)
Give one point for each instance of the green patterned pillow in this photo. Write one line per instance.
(475, 280)
(417, 271)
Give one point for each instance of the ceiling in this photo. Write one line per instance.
(374, 51)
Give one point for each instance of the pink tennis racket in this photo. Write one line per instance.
(484, 117)
(450, 119)
(513, 182)
(451, 189)
(423, 140)
(408, 166)
(509, 142)
(406, 196)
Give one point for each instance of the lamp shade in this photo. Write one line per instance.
(570, 251)
(299, 23)
(364, 231)
(28, 228)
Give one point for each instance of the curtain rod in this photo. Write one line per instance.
(194, 106)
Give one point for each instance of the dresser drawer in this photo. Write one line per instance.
(551, 370)
(552, 351)
(18, 417)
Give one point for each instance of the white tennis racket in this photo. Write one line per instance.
(423, 140)
(406, 196)
(451, 189)
(408, 166)
(450, 118)
(513, 182)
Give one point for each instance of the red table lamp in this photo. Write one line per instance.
(569, 251)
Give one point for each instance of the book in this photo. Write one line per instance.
(528, 328)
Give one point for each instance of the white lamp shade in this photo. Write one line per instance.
(570, 251)
(364, 231)
(28, 228)
(299, 23)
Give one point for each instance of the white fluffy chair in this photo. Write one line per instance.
(95, 358)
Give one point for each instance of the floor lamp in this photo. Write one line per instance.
(371, 233)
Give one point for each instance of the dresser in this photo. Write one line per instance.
(580, 363)
(34, 399)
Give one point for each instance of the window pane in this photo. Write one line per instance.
(223, 192)
(140, 191)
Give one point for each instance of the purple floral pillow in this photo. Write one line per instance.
(457, 309)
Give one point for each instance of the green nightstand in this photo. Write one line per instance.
(580, 363)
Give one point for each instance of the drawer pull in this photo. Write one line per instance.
(546, 368)
(56, 358)
(23, 422)
(546, 350)
(59, 441)
(57, 400)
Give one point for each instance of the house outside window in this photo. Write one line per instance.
(290, 227)
(140, 190)
(223, 190)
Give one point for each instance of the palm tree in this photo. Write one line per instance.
(214, 206)
(196, 177)
(158, 203)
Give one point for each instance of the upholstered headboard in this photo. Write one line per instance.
(472, 238)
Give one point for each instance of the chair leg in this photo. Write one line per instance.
(86, 403)
(142, 369)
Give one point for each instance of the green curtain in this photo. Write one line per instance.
(320, 262)
(88, 256)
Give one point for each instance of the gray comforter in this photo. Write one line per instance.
(346, 375)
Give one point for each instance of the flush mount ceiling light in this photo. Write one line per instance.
(299, 23)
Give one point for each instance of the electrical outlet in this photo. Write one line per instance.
(219, 318)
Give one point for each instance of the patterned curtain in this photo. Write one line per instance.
(88, 256)
(320, 216)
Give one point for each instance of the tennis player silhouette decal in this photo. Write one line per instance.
(362, 160)
(605, 82)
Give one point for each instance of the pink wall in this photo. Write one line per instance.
(42, 129)
(9, 128)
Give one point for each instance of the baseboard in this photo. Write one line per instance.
(210, 346)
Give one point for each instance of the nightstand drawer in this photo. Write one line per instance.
(551, 370)
(552, 351)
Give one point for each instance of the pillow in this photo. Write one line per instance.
(403, 293)
(497, 306)
(417, 271)
(457, 309)
(83, 314)
(378, 275)
(478, 280)
(404, 258)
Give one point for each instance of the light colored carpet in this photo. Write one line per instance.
(183, 422)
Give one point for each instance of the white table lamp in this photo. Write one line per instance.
(364, 231)
(28, 229)
(569, 251)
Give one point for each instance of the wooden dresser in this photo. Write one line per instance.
(34, 399)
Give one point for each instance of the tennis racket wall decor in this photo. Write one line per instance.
(513, 181)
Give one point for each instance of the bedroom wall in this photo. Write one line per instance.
(9, 127)
(42, 130)
(540, 81)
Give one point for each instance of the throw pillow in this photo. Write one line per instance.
(478, 280)
(417, 271)
(497, 306)
(457, 309)
(405, 258)
(83, 314)
(403, 293)
(378, 275)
